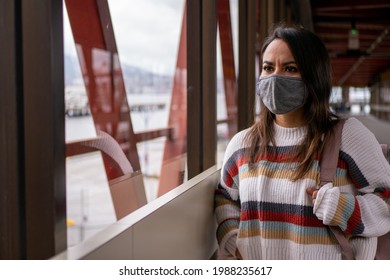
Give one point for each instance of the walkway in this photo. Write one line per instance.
(380, 128)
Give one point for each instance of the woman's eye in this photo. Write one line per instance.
(267, 68)
(292, 69)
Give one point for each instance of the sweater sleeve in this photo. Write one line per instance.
(367, 213)
(227, 199)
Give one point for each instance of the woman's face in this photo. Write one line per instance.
(278, 59)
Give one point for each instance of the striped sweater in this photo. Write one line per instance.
(264, 214)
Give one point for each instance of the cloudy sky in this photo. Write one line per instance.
(146, 31)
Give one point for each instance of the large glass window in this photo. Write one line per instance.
(147, 36)
(89, 205)
(124, 83)
(227, 69)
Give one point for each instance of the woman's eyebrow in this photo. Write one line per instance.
(285, 63)
(289, 62)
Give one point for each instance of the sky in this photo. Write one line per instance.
(147, 32)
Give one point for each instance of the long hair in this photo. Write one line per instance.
(313, 63)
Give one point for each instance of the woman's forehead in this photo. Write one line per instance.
(277, 49)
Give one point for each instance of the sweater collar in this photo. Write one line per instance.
(289, 133)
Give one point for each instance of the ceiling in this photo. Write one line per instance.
(333, 21)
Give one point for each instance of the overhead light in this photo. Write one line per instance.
(353, 37)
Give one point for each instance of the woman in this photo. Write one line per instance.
(268, 205)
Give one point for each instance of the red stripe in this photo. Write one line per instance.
(385, 193)
(355, 183)
(277, 158)
(229, 219)
(228, 181)
(242, 160)
(342, 164)
(268, 216)
(226, 220)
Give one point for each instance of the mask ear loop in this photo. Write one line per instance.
(258, 86)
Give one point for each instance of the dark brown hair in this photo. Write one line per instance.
(313, 62)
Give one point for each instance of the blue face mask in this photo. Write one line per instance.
(281, 94)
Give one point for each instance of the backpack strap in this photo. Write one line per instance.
(386, 151)
(328, 166)
(330, 154)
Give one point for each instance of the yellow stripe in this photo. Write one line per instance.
(342, 181)
(337, 218)
(226, 229)
(285, 234)
(223, 201)
(277, 174)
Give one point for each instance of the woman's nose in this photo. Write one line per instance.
(278, 71)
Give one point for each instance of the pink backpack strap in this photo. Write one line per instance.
(328, 166)
(330, 154)
(386, 151)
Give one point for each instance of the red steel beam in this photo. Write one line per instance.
(229, 71)
(173, 165)
(97, 52)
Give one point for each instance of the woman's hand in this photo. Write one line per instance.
(324, 201)
(313, 192)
